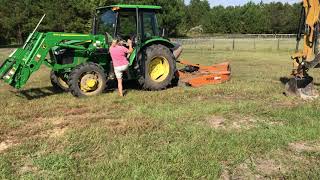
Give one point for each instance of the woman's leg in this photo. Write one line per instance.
(119, 72)
(120, 89)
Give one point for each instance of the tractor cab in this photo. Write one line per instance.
(135, 22)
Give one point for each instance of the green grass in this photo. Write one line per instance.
(169, 134)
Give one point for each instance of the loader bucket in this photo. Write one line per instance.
(301, 87)
(17, 68)
(11, 66)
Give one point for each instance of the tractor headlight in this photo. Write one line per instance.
(10, 73)
(97, 44)
(59, 52)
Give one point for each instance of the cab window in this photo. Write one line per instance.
(150, 26)
(127, 25)
(106, 22)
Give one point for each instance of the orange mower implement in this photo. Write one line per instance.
(196, 75)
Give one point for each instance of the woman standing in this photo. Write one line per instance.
(119, 59)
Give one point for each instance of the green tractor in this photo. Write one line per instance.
(81, 63)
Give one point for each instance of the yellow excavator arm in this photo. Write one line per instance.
(302, 84)
(309, 23)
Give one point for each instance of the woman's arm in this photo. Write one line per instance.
(130, 46)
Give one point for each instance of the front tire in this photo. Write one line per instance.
(87, 80)
(158, 67)
(58, 81)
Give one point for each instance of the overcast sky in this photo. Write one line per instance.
(241, 2)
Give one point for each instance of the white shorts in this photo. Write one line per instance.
(119, 70)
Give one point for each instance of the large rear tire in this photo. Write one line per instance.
(157, 67)
(87, 80)
(59, 83)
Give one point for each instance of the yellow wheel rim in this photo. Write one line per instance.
(89, 83)
(159, 69)
(63, 83)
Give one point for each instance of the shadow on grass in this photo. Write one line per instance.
(112, 85)
(37, 93)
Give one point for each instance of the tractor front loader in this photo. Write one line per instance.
(17, 69)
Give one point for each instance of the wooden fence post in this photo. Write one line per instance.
(233, 44)
(213, 44)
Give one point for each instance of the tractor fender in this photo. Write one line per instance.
(148, 43)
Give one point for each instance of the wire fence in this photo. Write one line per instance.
(235, 42)
(250, 36)
(247, 42)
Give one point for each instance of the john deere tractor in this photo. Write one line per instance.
(81, 64)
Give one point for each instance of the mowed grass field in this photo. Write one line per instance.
(243, 129)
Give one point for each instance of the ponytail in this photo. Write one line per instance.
(114, 43)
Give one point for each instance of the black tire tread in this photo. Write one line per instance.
(157, 49)
(55, 82)
(72, 81)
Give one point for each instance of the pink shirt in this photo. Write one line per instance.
(118, 55)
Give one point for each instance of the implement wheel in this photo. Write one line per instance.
(158, 69)
(58, 81)
(87, 80)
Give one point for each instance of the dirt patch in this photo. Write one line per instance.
(42, 127)
(60, 125)
(255, 169)
(57, 132)
(201, 98)
(57, 126)
(273, 165)
(4, 145)
(28, 167)
(237, 123)
(225, 175)
(305, 146)
(244, 123)
(269, 167)
(217, 122)
(57, 121)
(242, 171)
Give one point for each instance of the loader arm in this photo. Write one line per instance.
(17, 69)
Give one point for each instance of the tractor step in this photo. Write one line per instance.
(196, 75)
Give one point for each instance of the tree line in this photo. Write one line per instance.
(18, 18)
